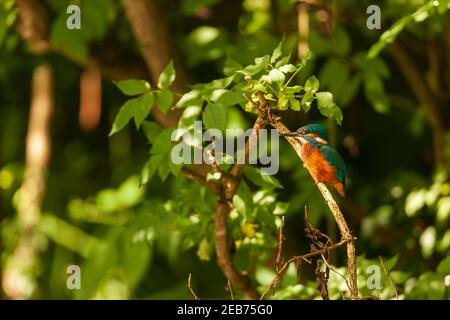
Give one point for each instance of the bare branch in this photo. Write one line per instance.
(20, 266)
(254, 104)
(224, 259)
(33, 25)
(389, 277)
(190, 288)
(304, 257)
(201, 179)
(303, 29)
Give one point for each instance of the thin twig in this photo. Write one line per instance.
(254, 104)
(335, 271)
(190, 288)
(304, 257)
(213, 162)
(279, 259)
(389, 277)
(230, 289)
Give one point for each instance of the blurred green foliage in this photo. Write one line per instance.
(118, 206)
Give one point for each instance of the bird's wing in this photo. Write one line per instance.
(335, 159)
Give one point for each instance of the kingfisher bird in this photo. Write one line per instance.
(323, 161)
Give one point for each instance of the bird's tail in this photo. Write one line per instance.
(340, 188)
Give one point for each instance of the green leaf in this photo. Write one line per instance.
(340, 42)
(414, 202)
(67, 235)
(327, 107)
(70, 41)
(231, 66)
(293, 90)
(444, 266)
(133, 87)
(163, 143)
(189, 115)
(319, 44)
(307, 100)
(221, 83)
(283, 61)
(151, 130)
(259, 87)
(164, 168)
(136, 258)
(294, 104)
(374, 91)
(281, 208)
(373, 71)
(139, 108)
(312, 84)
(142, 108)
(225, 97)
(277, 52)
(164, 99)
(261, 63)
(276, 75)
(390, 263)
(288, 68)
(349, 91)
(264, 181)
(175, 168)
(243, 199)
(283, 102)
(204, 250)
(151, 167)
(191, 98)
(96, 17)
(214, 116)
(421, 14)
(167, 77)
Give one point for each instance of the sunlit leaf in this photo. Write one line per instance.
(133, 87)
(288, 68)
(327, 107)
(276, 75)
(277, 52)
(191, 98)
(312, 84)
(167, 77)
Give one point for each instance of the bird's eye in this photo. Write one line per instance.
(306, 131)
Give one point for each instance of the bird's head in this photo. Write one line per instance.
(312, 130)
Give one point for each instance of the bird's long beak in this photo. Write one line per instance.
(289, 134)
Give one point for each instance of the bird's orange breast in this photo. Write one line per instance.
(320, 169)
